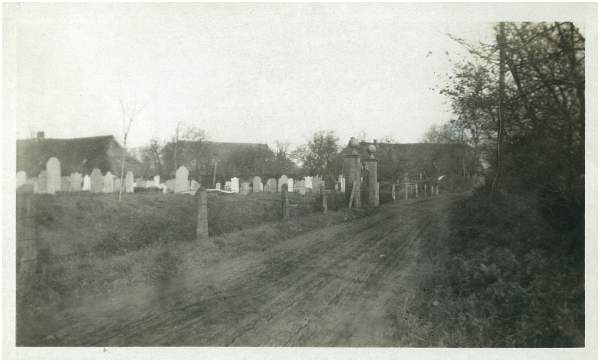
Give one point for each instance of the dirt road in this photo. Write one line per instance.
(346, 284)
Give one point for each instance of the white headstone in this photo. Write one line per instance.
(182, 183)
(194, 185)
(227, 185)
(21, 178)
(157, 180)
(87, 183)
(129, 182)
(75, 181)
(109, 183)
(235, 184)
(271, 185)
(218, 186)
(164, 188)
(256, 184)
(97, 181)
(291, 185)
(53, 175)
(245, 188)
(283, 180)
(308, 182)
(342, 182)
(42, 183)
(65, 184)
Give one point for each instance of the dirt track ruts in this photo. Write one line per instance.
(340, 285)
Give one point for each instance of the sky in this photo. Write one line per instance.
(241, 72)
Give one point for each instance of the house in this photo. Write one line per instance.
(75, 155)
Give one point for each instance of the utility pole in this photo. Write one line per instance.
(501, 40)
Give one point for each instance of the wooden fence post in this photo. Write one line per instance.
(393, 193)
(202, 221)
(285, 211)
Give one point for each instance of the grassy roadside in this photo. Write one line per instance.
(503, 277)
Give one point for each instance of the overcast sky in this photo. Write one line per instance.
(241, 72)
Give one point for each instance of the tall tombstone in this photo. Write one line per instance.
(308, 184)
(352, 167)
(218, 186)
(271, 185)
(182, 183)
(283, 180)
(156, 180)
(371, 167)
(245, 188)
(256, 184)
(235, 184)
(75, 181)
(109, 183)
(65, 184)
(129, 182)
(21, 178)
(87, 183)
(342, 183)
(42, 183)
(291, 185)
(53, 175)
(227, 185)
(97, 181)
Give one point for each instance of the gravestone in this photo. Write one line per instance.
(65, 184)
(308, 182)
(21, 178)
(157, 180)
(291, 185)
(256, 184)
(75, 181)
(218, 186)
(299, 187)
(283, 180)
(271, 185)
(235, 184)
(53, 175)
(245, 188)
(170, 185)
(139, 182)
(227, 185)
(164, 188)
(194, 185)
(42, 183)
(97, 181)
(129, 182)
(87, 183)
(182, 183)
(109, 183)
(342, 183)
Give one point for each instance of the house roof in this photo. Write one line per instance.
(75, 155)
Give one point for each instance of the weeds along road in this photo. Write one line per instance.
(345, 284)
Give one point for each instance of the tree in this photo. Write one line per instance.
(151, 158)
(128, 114)
(318, 157)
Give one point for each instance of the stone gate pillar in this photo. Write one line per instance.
(373, 184)
(351, 167)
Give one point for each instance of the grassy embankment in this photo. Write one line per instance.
(505, 276)
(93, 244)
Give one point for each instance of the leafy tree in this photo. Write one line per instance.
(320, 155)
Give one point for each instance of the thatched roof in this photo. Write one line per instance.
(75, 155)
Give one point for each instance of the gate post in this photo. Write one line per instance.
(352, 170)
(371, 166)
(202, 221)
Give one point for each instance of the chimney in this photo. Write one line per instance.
(40, 135)
(375, 141)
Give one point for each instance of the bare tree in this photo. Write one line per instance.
(128, 114)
